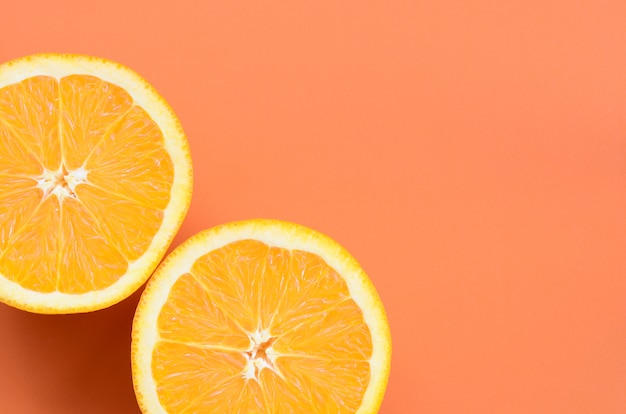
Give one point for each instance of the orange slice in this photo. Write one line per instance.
(260, 316)
(95, 180)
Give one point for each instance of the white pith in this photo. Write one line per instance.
(255, 362)
(61, 183)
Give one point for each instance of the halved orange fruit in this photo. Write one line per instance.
(95, 180)
(260, 316)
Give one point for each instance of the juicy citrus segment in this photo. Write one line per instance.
(69, 225)
(97, 174)
(248, 396)
(273, 284)
(82, 272)
(206, 381)
(338, 333)
(260, 316)
(203, 373)
(230, 275)
(91, 107)
(30, 111)
(314, 288)
(15, 158)
(131, 160)
(198, 321)
(128, 226)
(31, 258)
(17, 201)
(284, 396)
(327, 386)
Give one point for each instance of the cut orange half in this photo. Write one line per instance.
(95, 180)
(260, 316)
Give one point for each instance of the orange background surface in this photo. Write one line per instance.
(470, 154)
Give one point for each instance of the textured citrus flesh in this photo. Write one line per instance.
(85, 179)
(256, 328)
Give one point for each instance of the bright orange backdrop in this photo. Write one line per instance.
(471, 154)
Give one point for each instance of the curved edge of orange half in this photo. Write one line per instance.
(274, 232)
(145, 95)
